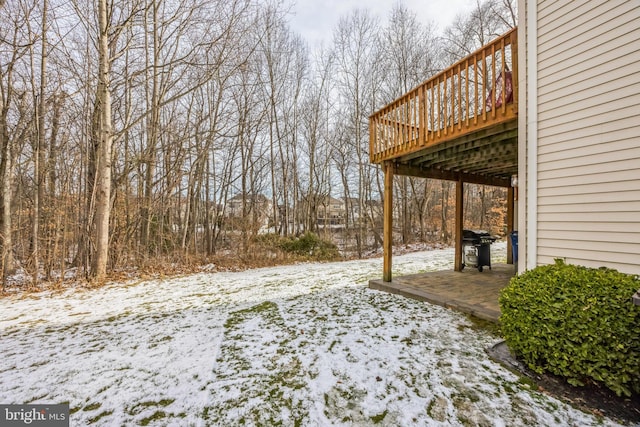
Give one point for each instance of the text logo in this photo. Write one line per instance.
(35, 415)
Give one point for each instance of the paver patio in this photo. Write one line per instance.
(469, 290)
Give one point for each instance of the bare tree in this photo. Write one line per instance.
(39, 145)
(409, 56)
(285, 63)
(470, 31)
(104, 141)
(15, 121)
(315, 139)
(355, 44)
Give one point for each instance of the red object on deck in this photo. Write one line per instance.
(508, 85)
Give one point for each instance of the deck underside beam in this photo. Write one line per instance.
(420, 172)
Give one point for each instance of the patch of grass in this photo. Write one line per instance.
(99, 416)
(158, 341)
(437, 409)
(466, 395)
(265, 394)
(80, 313)
(126, 313)
(158, 415)
(103, 389)
(240, 316)
(509, 388)
(526, 381)
(92, 406)
(138, 407)
(443, 363)
(527, 414)
(430, 408)
(378, 418)
(478, 324)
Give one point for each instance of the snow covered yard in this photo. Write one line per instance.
(301, 345)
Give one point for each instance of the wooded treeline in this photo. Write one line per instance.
(126, 127)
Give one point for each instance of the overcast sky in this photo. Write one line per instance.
(316, 19)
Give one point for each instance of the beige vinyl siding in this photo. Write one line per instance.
(589, 133)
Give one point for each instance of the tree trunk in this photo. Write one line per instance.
(153, 123)
(7, 262)
(103, 156)
(444, 230)
(39, 157)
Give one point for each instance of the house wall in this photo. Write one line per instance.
(587, 133)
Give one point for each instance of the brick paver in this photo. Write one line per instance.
(468, 291)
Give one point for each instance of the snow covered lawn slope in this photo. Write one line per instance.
(301, 345)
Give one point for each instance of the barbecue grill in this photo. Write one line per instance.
(476, 249)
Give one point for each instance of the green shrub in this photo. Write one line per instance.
(312, 246)
(576, 322)
(306, 246)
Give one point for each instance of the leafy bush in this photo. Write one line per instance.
(306, 246)
(312, 246)
(576, 322)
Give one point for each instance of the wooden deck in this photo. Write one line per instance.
(468, 291)
(460, 125)
(476, 95)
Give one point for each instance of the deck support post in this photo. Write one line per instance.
(459, 223)
(387, 213)
(510, 221)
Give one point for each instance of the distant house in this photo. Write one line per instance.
(331, 211)
(252, 206)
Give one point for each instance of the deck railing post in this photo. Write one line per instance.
(432, 110)
(373, 150)
(466, 86)
(494, 79)
(422, 113)
(503, 73)
(485, 75)
(453, 100)
(460, 98)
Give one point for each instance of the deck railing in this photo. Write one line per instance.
(453, 103)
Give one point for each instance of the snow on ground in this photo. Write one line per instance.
(300, 345)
